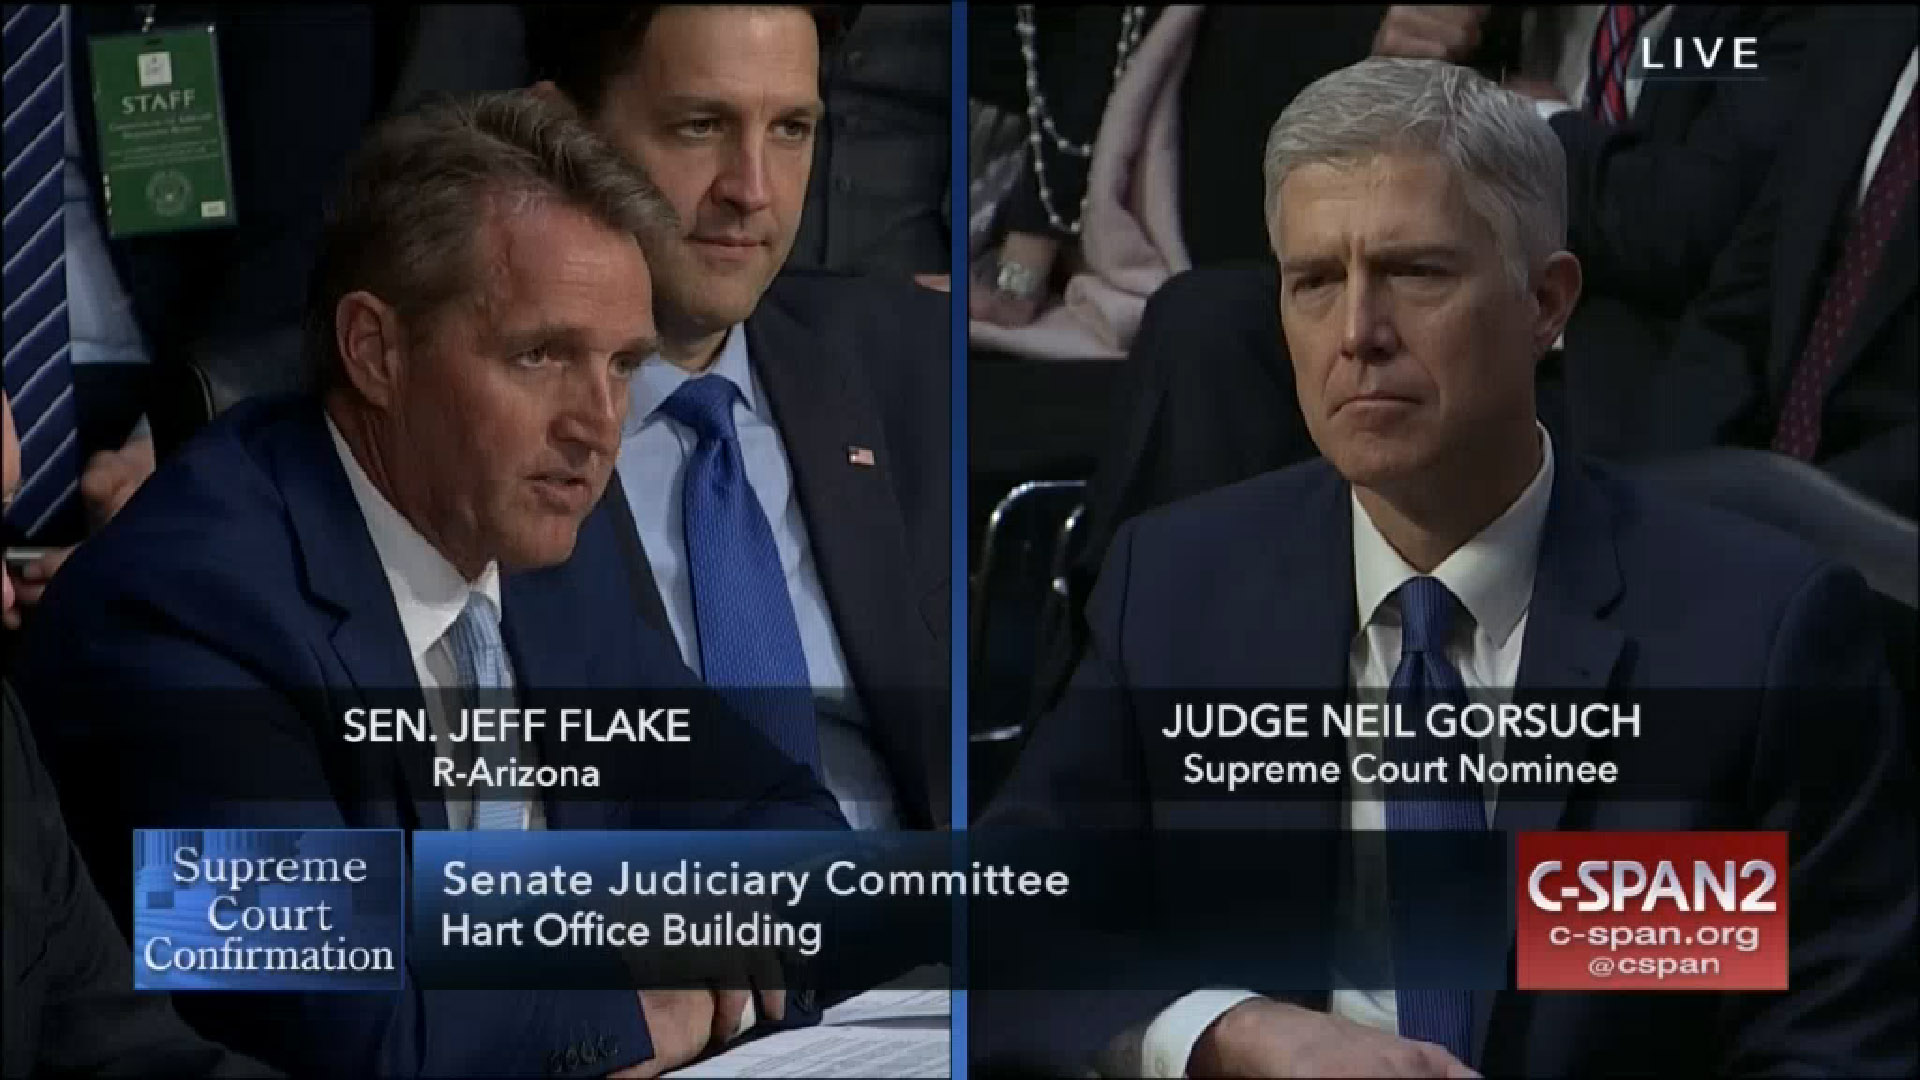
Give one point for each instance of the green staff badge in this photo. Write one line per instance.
(162, 131)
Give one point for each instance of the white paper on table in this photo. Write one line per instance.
(886, 1006)
(835, 1051)
(892, 1030)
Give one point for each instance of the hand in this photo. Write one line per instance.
(1535, 88)
(730, 1007)
(1430, 31)
(936, 282)
(32, 582)
(113, 476)
(987, 302)
(1261, 1037)
(679, 1023)
(683, 1024)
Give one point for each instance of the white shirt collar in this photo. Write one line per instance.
(1491, 574)
(428, 591)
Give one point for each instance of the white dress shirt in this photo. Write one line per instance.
(1575, 67)
(1902, 90)
(1492, 577)
(429, 595)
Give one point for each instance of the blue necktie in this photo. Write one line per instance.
(1425, 678)
(749, 638)
(38, 380)
(480, 661)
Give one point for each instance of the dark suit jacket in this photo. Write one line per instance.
(879, 199)
(1251, 586)
(197, 653)
(65, 972)
(1734, 356)
(1651, 203)
(863, 362)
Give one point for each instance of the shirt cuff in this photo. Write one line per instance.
(1550, 109)
(1170, 1038)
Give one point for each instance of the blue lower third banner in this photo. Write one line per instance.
(269, 909)
(829, 912)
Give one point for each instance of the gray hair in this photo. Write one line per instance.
(1512, 169)
(405, 222)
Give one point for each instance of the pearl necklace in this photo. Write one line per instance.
(1133, 24)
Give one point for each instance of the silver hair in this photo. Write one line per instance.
(1512, 170)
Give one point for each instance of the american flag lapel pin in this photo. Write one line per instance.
(860, 455)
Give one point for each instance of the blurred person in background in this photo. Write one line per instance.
(879, 199)
(1051, 67)
(1806, 339)
(67, 1003)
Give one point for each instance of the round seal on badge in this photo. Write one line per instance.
(169, 192)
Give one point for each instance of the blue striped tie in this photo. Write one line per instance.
(749, 636)
(38, 380)
(480, 660)
(1425, 678)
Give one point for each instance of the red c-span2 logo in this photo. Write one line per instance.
(1652, 911)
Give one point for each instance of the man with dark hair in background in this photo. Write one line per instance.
(787, 463)
(430, 521)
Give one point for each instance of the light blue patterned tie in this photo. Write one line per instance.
(1425, 678)
(749, 637)
(480, 661)
(38, 379)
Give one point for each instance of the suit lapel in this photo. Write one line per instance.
(1295, 632)
(1321, 660)
(854, 526)
(535, 608)
(1667, 107)
(1317, 657)
(1570, 649)
(344, 576)
(1817, 207)
(641, 582)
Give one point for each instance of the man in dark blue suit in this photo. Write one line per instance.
(432, 522)
(830, 390)
(1442, 549)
